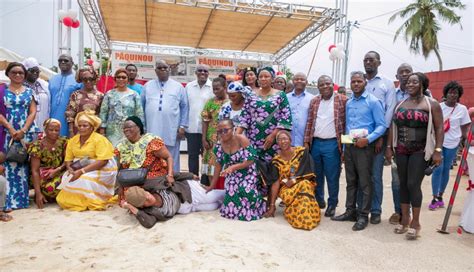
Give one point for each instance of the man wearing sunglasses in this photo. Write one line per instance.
(166, 108)
(61, 86)
(198, 91)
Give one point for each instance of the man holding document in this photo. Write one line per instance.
(365, 123)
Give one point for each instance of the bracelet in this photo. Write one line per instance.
(389, 146)
(272, 205)
(23, 130)
(170, 176)
(83, 171)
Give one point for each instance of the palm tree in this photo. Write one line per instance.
(422, 24)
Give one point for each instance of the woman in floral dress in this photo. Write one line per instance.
(265, 113)
(236, 162)
(118, 104)
(209, 116)
(86, 99)
(47, 162)
(19, 126)
(232, 109)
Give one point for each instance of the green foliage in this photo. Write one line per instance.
(422, 24)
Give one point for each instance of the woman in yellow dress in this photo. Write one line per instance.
(294, 181)
(90, 187)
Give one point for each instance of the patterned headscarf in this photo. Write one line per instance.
(49, 121)
(88, 116)
(269, 69)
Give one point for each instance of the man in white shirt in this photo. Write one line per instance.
(198, 91)
(325, 125)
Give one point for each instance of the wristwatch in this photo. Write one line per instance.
(438, 149)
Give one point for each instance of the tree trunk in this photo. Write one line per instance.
(440, 61)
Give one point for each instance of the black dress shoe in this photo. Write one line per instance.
(361, 223)
(322, 204)
(330, 211)
(375, 219)
(347, 216)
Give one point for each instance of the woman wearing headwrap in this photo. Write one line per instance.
(265, 112)
(90, 187)
(280, 83)
(250, 78)
(232, 109)
(40, 91)
(47, 162)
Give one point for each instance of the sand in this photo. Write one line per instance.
(53, 239)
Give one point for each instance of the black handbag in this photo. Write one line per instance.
(17, 153)
(134, 177)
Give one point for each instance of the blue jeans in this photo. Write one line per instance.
(440, 177)
(377, 180)
(327, 160)
(396, 188)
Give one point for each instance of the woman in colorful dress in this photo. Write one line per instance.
(47, 162)
(90, 187)
(232, 109)
(294, 182)
(118, 104)
(250, 78)
(265, 113)
(88, 98)
(20, 130)
(209, 117)
(236, 162)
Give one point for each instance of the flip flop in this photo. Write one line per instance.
(412, 234)
(5, 217)
(400, 229)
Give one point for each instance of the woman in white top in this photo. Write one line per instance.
(456, 124)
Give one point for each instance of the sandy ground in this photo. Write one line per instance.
(52, 239)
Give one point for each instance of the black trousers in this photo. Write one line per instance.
(411, 171)
(194, 150)
(358, 164)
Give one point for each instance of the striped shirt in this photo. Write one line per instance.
(171, 203)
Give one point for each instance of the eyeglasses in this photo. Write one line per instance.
(88, 79)
(121, 77)
(63, 60)
(202, 71)
(162, 68)
(223, 131)
(18, 73)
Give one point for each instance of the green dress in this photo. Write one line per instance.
(116, 107)
(210, 114)
(49, 158)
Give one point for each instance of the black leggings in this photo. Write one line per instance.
(411, 171)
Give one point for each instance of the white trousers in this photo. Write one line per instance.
(202, 201)
(467, 216)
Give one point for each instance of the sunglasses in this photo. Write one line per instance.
(34, 71)
(223, 131)
(162, 68)
(88, 79)
(202, 71)
(63, 60)
(121, 77)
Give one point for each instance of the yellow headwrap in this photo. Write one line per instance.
(88, 116)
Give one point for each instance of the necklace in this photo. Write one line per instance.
(17, 91)
(49, 145)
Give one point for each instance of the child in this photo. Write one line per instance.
(3, 190)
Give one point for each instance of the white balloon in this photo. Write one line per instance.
(61, 14)
(333, 52)
(332, 58)
(96, 65)
(340, 46)
(72, 13)
(341, 55)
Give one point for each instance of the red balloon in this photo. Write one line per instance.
(75, 24)
(331, 47)
(67, 21)
(90, 62)
(279, 73)
(336, 87)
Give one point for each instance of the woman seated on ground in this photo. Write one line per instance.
(291, 172)
(164, 193)
(47, 162)
(90, 187)
(236, 161)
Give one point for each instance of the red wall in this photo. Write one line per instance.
(465, 77)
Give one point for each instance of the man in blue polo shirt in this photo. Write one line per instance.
(363, 111)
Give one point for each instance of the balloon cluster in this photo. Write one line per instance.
(69, 18)
(93, 62)
(336, 52)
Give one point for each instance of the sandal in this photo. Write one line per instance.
(4, 217)
(412, 234)
(400, 229)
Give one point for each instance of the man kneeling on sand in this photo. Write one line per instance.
(157, 201)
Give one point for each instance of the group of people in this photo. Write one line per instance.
(258, 143)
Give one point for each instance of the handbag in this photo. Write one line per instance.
(134, 177)
(17, 153)
(447, 123)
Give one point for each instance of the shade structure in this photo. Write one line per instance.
(251, 26)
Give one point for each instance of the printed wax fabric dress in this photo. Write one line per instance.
(260, 116)
(242, 200)
(81, 100)
(17, 108)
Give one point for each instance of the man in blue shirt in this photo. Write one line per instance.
(363, 111)
(299, 100)
(132, 75)
(383, 89)
(61, 86)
